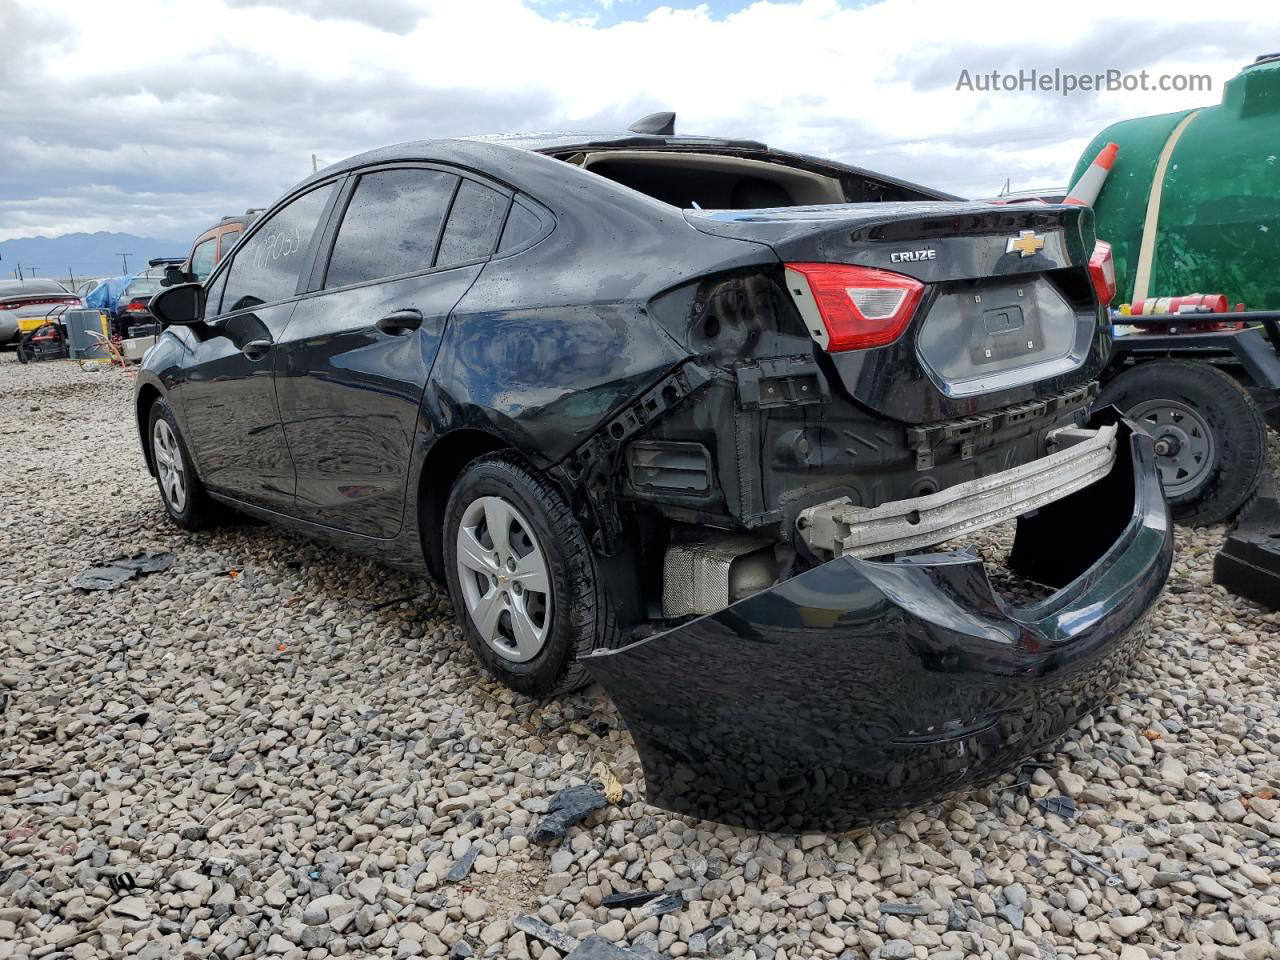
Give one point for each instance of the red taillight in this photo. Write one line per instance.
(36, 301)
(1102, 271)
(852, 308)
(136, 305)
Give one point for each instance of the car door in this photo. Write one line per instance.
(203, 258)
(356, 356)
(228, 399)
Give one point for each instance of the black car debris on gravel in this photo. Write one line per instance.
(686, 415)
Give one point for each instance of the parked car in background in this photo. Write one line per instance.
(132, 304)
(215, 243)
(692, 416)
(23, 303)
(87, 287)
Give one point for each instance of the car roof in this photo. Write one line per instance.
(32, 284)
(500, 150)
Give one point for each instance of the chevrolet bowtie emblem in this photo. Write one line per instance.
(1025, 243)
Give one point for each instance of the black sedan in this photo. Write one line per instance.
(682, 414)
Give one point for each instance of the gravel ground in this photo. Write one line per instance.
(292, 754)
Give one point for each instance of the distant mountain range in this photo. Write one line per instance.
(84, 254)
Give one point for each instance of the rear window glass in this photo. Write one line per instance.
(390, 226)
(473, 225)
(142, 286)
(16, 288)
(522, 226)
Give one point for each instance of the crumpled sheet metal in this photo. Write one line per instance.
(565, 808)
(858, 689)
(111, 574)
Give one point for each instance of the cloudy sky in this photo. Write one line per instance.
(156, 118)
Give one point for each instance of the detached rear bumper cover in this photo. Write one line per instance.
(860, 688)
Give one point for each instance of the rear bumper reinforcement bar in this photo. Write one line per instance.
(838, 528)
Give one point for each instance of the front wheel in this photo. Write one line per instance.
(184, 496)
(1209, 436)
(522, 577)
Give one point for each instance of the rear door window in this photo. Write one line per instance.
(202, 258)
(391, 225)
(474, 223)
(266, 268)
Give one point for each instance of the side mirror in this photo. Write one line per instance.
(182, 305)
(174, 275)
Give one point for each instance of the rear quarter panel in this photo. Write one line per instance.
(551, 341)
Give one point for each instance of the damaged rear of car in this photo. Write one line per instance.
(897, 375)
(686, 415)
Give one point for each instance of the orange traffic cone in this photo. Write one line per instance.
(1086, 190)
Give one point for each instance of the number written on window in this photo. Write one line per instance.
(267, 265)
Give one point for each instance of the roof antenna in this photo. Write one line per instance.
(656, 124)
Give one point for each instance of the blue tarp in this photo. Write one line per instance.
(107, 294)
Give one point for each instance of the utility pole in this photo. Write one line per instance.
(124, 262)
(314, 164)
(72, 274)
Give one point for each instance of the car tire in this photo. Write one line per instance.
(531, 640)
(1211, 441)
(183, 495)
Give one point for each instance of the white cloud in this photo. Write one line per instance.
(193, 108)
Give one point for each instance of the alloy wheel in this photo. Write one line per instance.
(169, 465)
(505, 582)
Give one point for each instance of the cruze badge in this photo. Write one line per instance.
(1026, 243)
(911, 256)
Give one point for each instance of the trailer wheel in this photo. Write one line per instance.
(1209, 436)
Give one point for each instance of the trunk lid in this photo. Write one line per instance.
(1008, 312)
(37, 305)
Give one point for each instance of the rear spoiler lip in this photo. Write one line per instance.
(872, 212)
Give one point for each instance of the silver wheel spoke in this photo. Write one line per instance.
(527, 635)
(531, 572)
(497, 517)
(472, 554)
(487, 612)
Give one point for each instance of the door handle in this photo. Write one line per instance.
(402, 321)
(256, 349)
